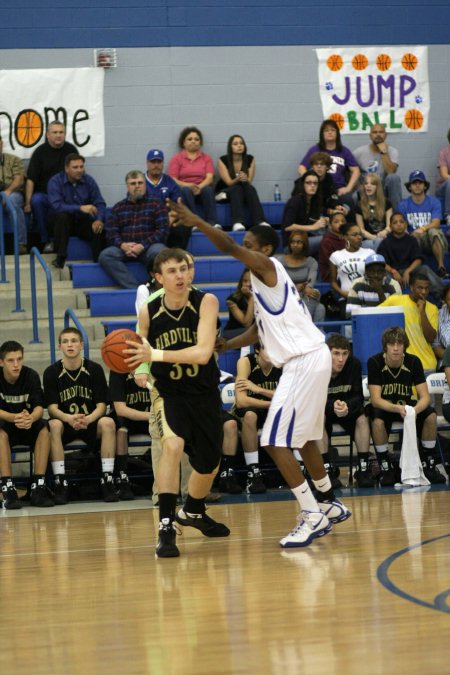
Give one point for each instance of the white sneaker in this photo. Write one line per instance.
(49, 247)
(237, 227)
(221, 196)
(311, 524)
(335, 511)
(218, 226)
(263, 222)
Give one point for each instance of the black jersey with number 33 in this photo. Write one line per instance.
(173, 330)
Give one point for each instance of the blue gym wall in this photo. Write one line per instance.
(247, 67)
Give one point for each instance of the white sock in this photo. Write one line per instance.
(107, 464)
(251, 457)
(297, 455)
(381, 448)
(429, 445)
(58, 468)
(305, 497)
(323, 484)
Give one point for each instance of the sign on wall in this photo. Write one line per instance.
(362, 86)
(31, 99)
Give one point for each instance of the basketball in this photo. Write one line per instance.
(113, 346)
(410, 61)
(360, 62)
(383, 62)
(413, 119)
(335, 62)
(28, 128)
(338, 118)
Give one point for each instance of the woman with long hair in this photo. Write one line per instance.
(303, 213)
(302, 269)
(237, 171)
(240, 307)
(374, 211)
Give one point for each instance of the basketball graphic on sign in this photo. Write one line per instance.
(335, 62)
(384, 62)
(410, 61)
(360, 62)
(338, 118)
(28, 128)
(413, 119)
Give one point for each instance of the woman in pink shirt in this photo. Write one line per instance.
(193, 170)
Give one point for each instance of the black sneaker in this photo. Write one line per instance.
(108, 490)
(431, 472)
(123, 488)
(40, 495)
(61, 490)
(442, 272)
(59, 262)
(228, 483)
(255, 483)
(166, 547)
(204, 523)
(333, 474)
(388, 474)
(10, 498)
(363, 475)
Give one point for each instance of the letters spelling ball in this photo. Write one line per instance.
(113, 347)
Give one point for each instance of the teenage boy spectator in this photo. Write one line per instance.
(46, 161)
(12, 174)
(423, 214)
(380, 158)
(332, 241)
(21, 410)
(393, 375)
(76, 395)
(345, 406)
(373, 288)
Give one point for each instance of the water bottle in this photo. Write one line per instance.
(276, 193)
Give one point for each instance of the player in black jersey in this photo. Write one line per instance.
(21, 423)
(256, 381)
(396, 379)
(181, 329)
(131, 405)
(76, 394)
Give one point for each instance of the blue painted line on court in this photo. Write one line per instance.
(440, 603)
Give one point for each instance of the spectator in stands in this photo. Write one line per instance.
(443, 178)
(421, 319)
(403, 255)
(304, 213)
(131, 414)
(379, 158)
(240, 307)
(393, 375)
(442, 340)
(446, 394)
(423, 214)
(161, 186)
(21, 423)
(374, 287)
(193, 171)
(373, 212)
(345, 406)
(136, 230)
(236, 173)
(47, 160)
(343, 160)
(11, 183)
(349, 263)
(332, 241)
(77, 208)
(256, 381)
(76, 396)
(302, 269)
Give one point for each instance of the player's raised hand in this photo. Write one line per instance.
(179, 214)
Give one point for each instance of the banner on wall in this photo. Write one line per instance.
(362, 86)
(31, 99)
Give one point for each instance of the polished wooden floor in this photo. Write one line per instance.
(81, 592)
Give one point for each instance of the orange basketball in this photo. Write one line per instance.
(384, 62)
(28, 128)
(113, 346)
(413, 119)
(360, 62)
(338, 118)
(335, 62)
(409, 61)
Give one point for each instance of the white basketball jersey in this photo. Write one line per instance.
(285, 327)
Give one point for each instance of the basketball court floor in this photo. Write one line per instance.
(82, 592)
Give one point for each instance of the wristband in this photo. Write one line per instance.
(157, 355)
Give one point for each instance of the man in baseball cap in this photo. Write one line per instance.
(423, 214)
(374, 287)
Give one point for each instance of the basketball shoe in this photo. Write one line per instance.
(255, 482)
(202, 522)
(123, 487)
(10, 498)
(228, 483)
(311, 524)
(167, 534)
(431, 472)
(363, 475)
(61, 490)
(108, 490)
(334, 510)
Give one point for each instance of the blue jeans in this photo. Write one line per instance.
(16, 199)
(206, 199)
(40, 207)
(114, 262)
(392, 186)
(444, 191)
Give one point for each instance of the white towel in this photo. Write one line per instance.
(410, 464)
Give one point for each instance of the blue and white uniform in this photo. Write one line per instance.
(294, 343)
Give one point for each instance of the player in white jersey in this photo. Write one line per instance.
(284, 328)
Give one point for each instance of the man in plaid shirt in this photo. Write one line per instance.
(137, 229)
